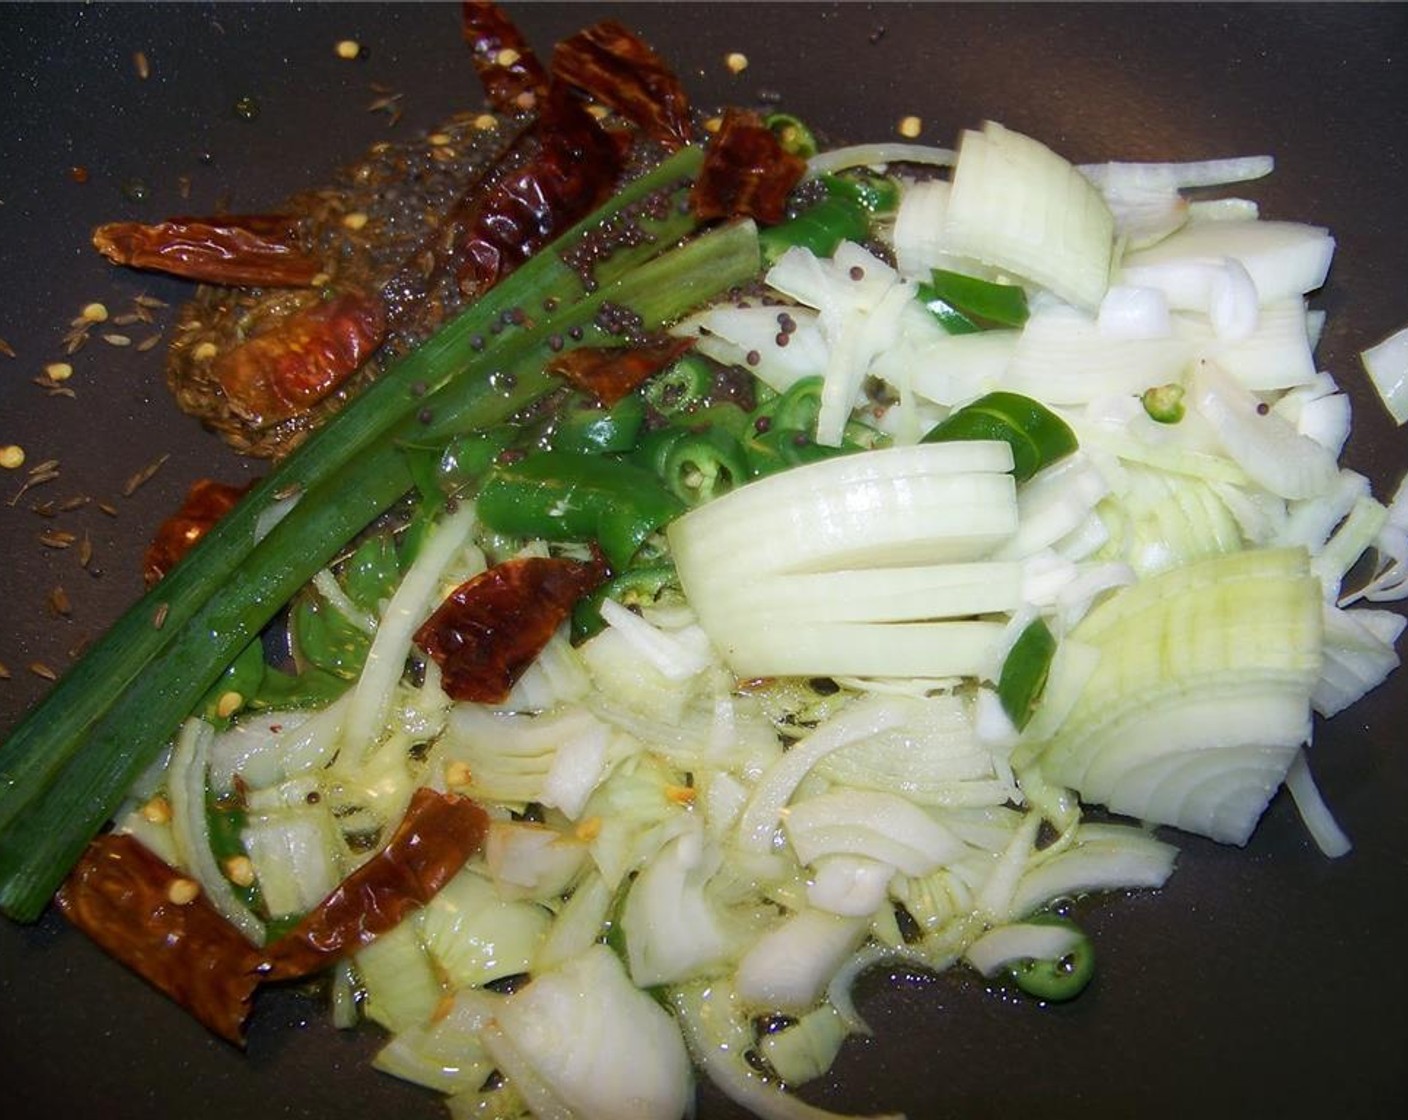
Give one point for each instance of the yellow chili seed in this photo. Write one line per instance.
(183, 892)
(205, 351)
(588, 830)
(240, 871)
(348, 49)
(95, 313)
(58, 371)
(485, 121)
(736, 61)
(355, 220)
(156, 811)
(458, 774)
(507, 57)
(680, 795)
(228, 704)
(910, 127)
(11, 456)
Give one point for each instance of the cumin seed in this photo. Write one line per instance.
(57, 538)
(148, 342)
(59, 602)
(9, 352)
(159, 615)
(143, 476)
(39, 669)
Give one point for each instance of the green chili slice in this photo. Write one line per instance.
(705, 465)
(1003, 304)
(585, 428)
(563, 497)
(793, 134)
(1037, 436)
(821, 227)
(680, 386)
(635, 587)
(1061, 979)
(1024, 673)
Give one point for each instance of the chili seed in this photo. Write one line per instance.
(156, 811)
(182, 892)
(94, 313)
(910, 127)
(240, 871)
(736, 61)
(11, 456)
(348, 49)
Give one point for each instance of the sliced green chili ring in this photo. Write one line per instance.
(1024, 672)
(704, 466)
(949, 317)
(244, 677)
(325, 639)
(1037, 436)
(587, 429)
(793, 134)
(1003, 304)
(724, 416)
(1164, 403)
(1056, 980)
(777, 449)
(820, 227)
(372, 572)
(879, 194)
(635, 587)
(561, 497)
(653, 449)
(800, 405)
(680, 386)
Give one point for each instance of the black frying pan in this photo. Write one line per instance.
(1261, 981)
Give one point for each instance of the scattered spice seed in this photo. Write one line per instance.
(736, 61)
(148, 342)
(458, 774)
(240, 871)
(355, 220)
(156, 811)
(39, 669)
(348, 49)
(108, 508)
(228, 704)
(58, 371)
(507, 57)
(159, 615)
(57, 538)
(78, 501)
(149, 301)
(60, 603)
(126, 319)
(143, 67)
(93, 313)
(910, 127)
(6, 349)
(4, 671)
(114, 339)
(11, 456)
(85, 551)
(143, 476)
(182, 892)
(486, 121)
(205, 351)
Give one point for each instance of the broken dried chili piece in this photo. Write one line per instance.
(206, 502)
(611, 64)
(611, 373)
(510, 72)
(439, 832)
(493, 626)
(296, 363)
(746, 173)
(260, 250)
(571, 171)
(121, 896)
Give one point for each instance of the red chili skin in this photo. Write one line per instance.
(260, 250)
(118, 895)
(571, 171)
(492, 627)
(618, 69)
(513, 81)
(280, 373)
(610, 373)
(206, 502)
(746, 172)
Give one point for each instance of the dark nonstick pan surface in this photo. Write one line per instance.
(1261, 981)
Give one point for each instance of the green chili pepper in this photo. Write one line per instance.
(797, 407)
(794, 136)
(780, 448)
(950, 318)
(879, 194)
(653, 449)
(243, 677)
(820, 228)
(1056, 980)
(587, 429)
(1025, 671)
(1003, 304)
(1164, 403)
(680, 386)
(1038, 436)
(705, 465)
(640, 586)
(372, 572)
(225, 822)
(563, 497)
(326, 640)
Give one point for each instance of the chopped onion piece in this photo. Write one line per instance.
(879, 155)
(1321, 825)
(1387, 366)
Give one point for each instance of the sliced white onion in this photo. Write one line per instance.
(879, 155)
(1316, 815)
(1387, 366)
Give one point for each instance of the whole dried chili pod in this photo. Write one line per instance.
(293, 365)
(492, 627)
(206, 502)
(512, 76)
(611, 64)
(155, 921)
(566, 166)
(610, 373)
(254, 250)
(746, 173)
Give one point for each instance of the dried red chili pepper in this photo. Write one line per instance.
(610, 373)
(261, 250)
(206, 502)
(121, 896)
(492, 627)
(618, 69)
(572, 169)
(439, 832)
(303, 358)
(746, 172)
(511, 74)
